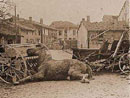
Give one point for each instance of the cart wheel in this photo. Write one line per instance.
(124, 63)
(14, 69)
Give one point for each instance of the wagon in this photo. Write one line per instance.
(115, 57)
(16, 63)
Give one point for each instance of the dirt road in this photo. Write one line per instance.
(104, 86)
(60, 55)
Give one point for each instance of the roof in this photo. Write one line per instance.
(110, 16)
(25, 27)
(43, 25)
(25, 21)
(63, 24)
(5, 31)
(26, 24)
(102, 26)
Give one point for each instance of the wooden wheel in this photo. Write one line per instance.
(14, 68)
(124, 63)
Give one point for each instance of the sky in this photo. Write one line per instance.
(67, 10)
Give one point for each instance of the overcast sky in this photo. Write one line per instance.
(67, 10)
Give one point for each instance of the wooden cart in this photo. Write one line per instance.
(117, 57)
(15, 63)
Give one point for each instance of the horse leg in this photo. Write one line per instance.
(35, 77)
(76, 75)
(85, 79)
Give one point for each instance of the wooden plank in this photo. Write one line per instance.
(118, 45)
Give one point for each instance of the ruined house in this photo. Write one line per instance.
(88, 33)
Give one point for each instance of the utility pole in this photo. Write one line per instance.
(15, 11)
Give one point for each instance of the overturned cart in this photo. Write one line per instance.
(16, 63)
(114, 58)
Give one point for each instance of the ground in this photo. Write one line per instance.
(106, 85)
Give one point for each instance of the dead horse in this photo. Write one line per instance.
(50, 69)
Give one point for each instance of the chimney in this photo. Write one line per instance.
(41, 21)
(17, 16)
(30, 19)
(88, 18)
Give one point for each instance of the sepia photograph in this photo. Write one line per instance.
(64, 49)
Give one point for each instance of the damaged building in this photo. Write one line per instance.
(93, 34)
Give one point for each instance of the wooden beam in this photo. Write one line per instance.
(118, 45)
(99, 35)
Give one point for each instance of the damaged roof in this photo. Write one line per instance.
(102, 26)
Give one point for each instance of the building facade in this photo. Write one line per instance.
(67, 33)
(8, 33)
(67, 30)
(34, 32)
(93, 34)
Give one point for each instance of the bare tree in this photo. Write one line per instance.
(5, 9)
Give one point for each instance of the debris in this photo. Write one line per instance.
(118, 45)
(115, 59)
(13, 65)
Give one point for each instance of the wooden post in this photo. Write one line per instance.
(41, 35)
(118, 45)
(15, 24)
